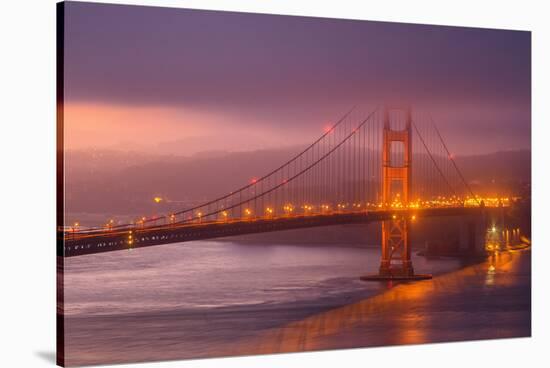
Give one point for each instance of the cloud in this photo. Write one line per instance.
(279, 76)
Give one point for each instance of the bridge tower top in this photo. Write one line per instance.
(396, 172)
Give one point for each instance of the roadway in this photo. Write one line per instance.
(71, 244)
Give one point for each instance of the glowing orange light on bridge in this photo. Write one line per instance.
(288, 208)
(157, 199)
(75, 227)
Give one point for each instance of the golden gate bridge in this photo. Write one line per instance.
(386, 165)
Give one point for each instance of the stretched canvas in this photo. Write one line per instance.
(238, 184)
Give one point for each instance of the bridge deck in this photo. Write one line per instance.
(76, 244)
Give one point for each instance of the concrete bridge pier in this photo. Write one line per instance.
(472, 234)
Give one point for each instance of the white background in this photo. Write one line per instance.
(27, 181)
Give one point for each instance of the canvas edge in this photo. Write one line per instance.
(60, 175)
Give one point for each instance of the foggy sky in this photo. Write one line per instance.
(137, 77)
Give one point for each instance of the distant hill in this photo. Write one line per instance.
(504, 165)
(500, 172)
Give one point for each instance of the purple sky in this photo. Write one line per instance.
(171, 75)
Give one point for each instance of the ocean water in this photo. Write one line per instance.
(192, 300)
(210, 274)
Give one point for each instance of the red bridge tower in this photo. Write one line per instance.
(395, 263)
